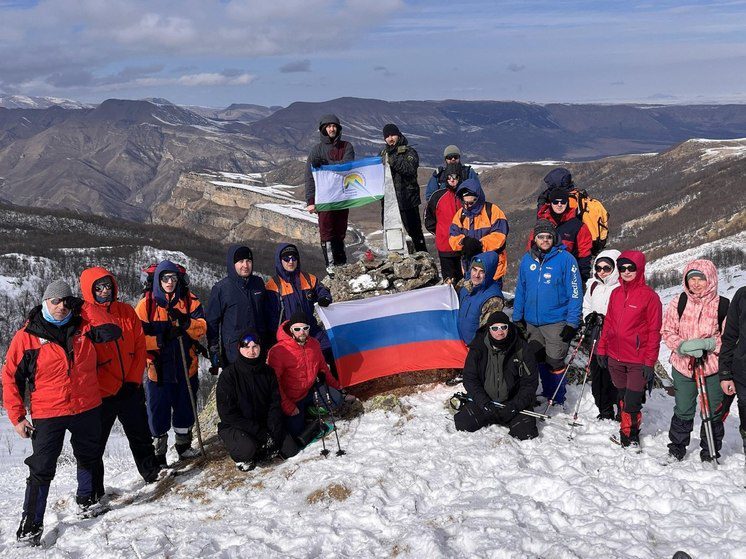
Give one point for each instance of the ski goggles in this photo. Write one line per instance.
(305, 328)
(248, 339)
(498, 327)
(603, 268)
(101, 287)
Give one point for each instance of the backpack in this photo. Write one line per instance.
(590, 211)
(723, 304)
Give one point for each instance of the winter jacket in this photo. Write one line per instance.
(519, 371)
(331, 150)
(597, 290)
(58, 364)
(474, 302)
(573, 233)
(548, 289)
(484, 222)
(291, 292)
(441, 207)
(732, 363)
(438, 180)
(699, 320)
(403, 162)
(162, 332)
(631, 332)
(236, 305)
(248, 399)
(122, 360)
(296, 367)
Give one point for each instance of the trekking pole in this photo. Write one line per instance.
(191, 396)
(529, 413)
(340, 452)
(582, 390)
(322, 425)
(564, 373)
(704, 405)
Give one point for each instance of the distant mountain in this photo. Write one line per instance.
(26, 102)
(242, 112)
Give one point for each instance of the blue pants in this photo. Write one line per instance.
(549, 382)
(169, 405)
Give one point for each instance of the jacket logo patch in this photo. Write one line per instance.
(532, 267)
(547, 275)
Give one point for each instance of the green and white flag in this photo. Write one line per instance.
(349, 185)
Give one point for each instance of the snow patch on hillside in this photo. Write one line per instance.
(294, 211)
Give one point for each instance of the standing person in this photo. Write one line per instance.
(248, 402)
(53, 355)
(548, 304)
(441, 207)
(237, 303)
(691, 330)
(404, 162)
(121, 365)
(451, 156)
(292, 290)
(595, 302)
(500, 378)
(297, 361)
(571, 230)
(332, 224)
(479, 226)
(732, 361)
(172, 319)
(630, 341)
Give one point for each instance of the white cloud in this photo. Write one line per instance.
(193, 80)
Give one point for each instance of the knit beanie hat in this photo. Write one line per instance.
(290, 250)
(695, 274)
(477, 263)
(559, 194)
(622, 261)
(545, 226)
(58, 289)
(606, 260)
(451, 150)
(242, 253)
(298, 317)
(498, 317)
(390, 130)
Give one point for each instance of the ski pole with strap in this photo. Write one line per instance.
(328, 400)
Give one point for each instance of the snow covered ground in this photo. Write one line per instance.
(411, 486)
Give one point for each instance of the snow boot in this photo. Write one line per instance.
(309, 434)
(718, 432)
(183, 445)
(326, 251)
(29, 531)
(338, 252)
(679, 434)
(32, 519)
(160, 444)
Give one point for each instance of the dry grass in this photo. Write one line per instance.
(333, 492)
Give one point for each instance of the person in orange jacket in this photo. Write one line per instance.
(52, 360)
(120, 370)
(173, 319)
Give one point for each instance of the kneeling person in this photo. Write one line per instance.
(248, 401)
(500, 377)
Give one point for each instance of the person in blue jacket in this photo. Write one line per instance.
(292, 290)
(237, 303)
(480, 296)
(549, 303)
(452, 156)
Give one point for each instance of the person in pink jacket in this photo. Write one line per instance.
(694, 333)
(630, 341)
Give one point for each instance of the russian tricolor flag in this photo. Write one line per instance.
(391, 334)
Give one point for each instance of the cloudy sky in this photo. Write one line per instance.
(273, 52)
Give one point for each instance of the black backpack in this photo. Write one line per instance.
(723, 304)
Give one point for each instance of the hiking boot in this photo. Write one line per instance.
(245, 466)
(676, 451)
(456, 380)
(704, 455)
(29, 532)
(186, 453)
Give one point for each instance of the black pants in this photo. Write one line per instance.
(450, 267)
(85, 430)
(128, 405)
(242, 447)
(472, 418)
(603, 390)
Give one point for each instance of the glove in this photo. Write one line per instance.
(505, 413)
(181, 318)
(568, 333)
(603, 361)
(318, 162)
(74, 304)
(708, 344)
(695, 347)
(325, 301)
(215, 361)
(522, 329)
(321, 378)
(648, 373)
(470, 247)
(104, 333)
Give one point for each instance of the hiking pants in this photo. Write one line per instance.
(472, 417)
(169, 405)
(629, 381)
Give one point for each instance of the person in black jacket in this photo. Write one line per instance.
(237, 302)
(404, 162)
(500, 369)
(248, 402)
(732, 359)
(330, 150)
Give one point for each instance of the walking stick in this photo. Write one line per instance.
(582, 390)
(191, 396)
(704, 405)
(564, 373)
(328, 402)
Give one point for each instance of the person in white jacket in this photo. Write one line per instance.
(598, 288)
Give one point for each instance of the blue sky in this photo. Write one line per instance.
(217, 52)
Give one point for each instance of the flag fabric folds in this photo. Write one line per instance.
(391, 334)
(349, 185)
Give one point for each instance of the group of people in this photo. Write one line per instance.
(80, 362)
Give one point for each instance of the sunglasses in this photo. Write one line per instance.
(167, 278)
(103, 287)
(544, 237)
(57, 300)
(453, 177)
(627, 268)
(300, 328)
(290, 258)
(453, 157)
(559, 202)
(468, 204)
(498, 327)
(603, 268)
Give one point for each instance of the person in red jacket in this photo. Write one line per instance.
(630, 341)
(121, 365)
(298, 362)
(52, 358)
(441, 207)
(571, 230)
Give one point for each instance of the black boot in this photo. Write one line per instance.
(679, 434)
(32, 519)
(29, 531)
(338, 252)
(183, 445)
(718, 431)
(160, 445)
